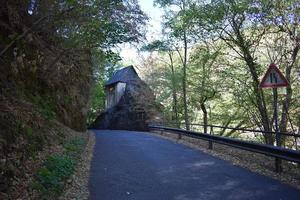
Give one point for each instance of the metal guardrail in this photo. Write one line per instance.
(241, 129)
(277, 152)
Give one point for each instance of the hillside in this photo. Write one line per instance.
(50, 52)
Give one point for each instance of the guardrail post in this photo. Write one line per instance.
(210, 144)
(278, 165)
(179, 136)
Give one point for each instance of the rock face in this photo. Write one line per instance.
(134, 111)
(42, 81)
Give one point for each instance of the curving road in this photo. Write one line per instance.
(138, 166)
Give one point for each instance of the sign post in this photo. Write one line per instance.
(275, 79)
(278, 138)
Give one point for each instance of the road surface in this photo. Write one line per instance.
(139, 166)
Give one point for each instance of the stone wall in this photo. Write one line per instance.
(135, 110)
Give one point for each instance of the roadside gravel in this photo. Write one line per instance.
(77, 185)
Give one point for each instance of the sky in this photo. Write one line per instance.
(128, 53)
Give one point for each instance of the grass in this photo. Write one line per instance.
(51, 178)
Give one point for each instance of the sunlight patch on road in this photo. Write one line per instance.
(197, 165)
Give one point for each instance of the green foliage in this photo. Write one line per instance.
(91, 27)
(96, 102)
(156, 45)
(161, 79)
(105, 65)
(59, 165)
(50, 179)
(231, 43)
(96, 24)
(74, 147)
(45, 105)
(201, 74)
(29, 132)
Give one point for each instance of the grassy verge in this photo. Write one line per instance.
(51, 178)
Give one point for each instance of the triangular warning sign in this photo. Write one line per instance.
(273, 78)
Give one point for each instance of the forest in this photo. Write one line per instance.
(208, 65)
(204, 68)
(52, 54)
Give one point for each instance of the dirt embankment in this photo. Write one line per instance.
(27, 139)
(44, 91)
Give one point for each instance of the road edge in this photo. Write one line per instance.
(233, 159)
(77, 188)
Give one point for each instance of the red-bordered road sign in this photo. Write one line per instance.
(273, 78)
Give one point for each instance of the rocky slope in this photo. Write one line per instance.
(44, 89)
(135, 110)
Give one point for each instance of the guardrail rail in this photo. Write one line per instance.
(269, 150)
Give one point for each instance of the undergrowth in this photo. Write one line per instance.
(51, 178)
(46, 107)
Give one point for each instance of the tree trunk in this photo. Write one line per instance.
(258, 92)
(225, 126)
(233, 130)
(174, 91)
(186, 117)
(289, 92)
(205, 120)
(260, 100)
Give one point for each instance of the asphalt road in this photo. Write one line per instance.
(139, 166)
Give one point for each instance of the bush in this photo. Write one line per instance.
(74, 147)
(61, 166)
(46, 107)
(51, 177)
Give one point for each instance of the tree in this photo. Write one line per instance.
(74, 25)
(228, 20)
(165, 47)
(104, 65)
(285, 16)
(179, 30)
(60, 41)
(242, 26)
(201, 78)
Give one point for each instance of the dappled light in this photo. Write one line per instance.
(149, 100)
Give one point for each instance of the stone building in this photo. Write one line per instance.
(115, 87)
(130, 103)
